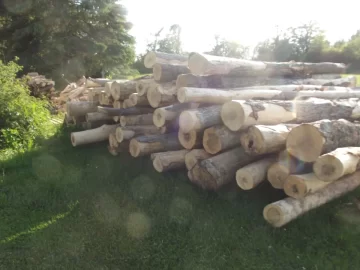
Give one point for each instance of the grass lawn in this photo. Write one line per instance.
(80, 208)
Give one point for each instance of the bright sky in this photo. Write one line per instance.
(247, 22)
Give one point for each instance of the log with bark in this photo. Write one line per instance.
(127, 104)
(169, 161)
(143, 86)
(252, 175)
(282, 212)
(296, 86)
(286, 165)
(137, 100)
(152, 58)
(200, 118)
(96, 82)
(93, 135)
(96, 116)
(107, 88)
(164, 115)
(133, 120)
(309, 141)
(80, 108)
(129, 132)
(125, 112)
(219, 138)
(194, 157)
(190, 140)
(167, 72)
(160, 95)
(146, 145)
(118, 85)
(260, 139)
(336, 164)
(126, 89)
(349, 81)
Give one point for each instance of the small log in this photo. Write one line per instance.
(220, 138)
(137, 100)
(96, 116)
(200, 118)
(191, 139)
(299, 186)
(125, 112)
(152, 58)
(93, 135)
(167, 72)
(194, 157)
(126, 89)
(260, 139)
(133, 120)
(336, 164)
(160, 95)
(169, 161)
(80, 108)
(170, 113)
(129, 132)
(252, 175)
(143, 86)
(146, 145)
(112, 140)
(282, 212)
(122, 148)
(309, 141)
(286, 165)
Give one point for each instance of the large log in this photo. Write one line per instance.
(133, 120)
(126, 89)
(298, 186)
(169, 161)
(80, 108)
(125, 112)
(96, 116)
(200, 118)
(220, 138)
(252, 175)
(160, 95)
(137, 100)
(285, 166)
(170, 113)
(336, 164)
(115, 89)
(146, 145)
(151, 58)
(143, 86)
(129, 132)
(309, 141)
(282, 212)
(194, 157)
(202, 64)
(127, 104)
(260, 139)
(93, 135)
(116, 105)
(191, 139)
(167, 72)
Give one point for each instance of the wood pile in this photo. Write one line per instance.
(231, 120)
(40, 86)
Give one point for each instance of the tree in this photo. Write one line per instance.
(171, 43)
(227, 48)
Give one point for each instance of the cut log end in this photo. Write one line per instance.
(211, 142)
(295, 187)
(253, 141)
(274, 215)
(305, 143)
(73, 140)
(245, 180)
(328, 168)
(188, 140)
(159, 118)
(158, 165)
(277, 175)
(157, 72)
(154, 97)
(119, 135)
(150, 59)
(187, 121)
(197, 64)
(134, 148)
(232, 115)
(181, 95)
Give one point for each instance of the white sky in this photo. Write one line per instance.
(247, 22)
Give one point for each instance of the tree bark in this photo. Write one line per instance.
(194, 157)
(146, 145)
(126, 89)
(260, 139)
(169, 161)
(309, 141)
(80, 108)
(152, 58)
(200, 118)
(282, 212)
(137, 100)
(160, 95)
(133, 120)
(219, 138)
(167, 72)
(336, 164)
(190, 140)
(96, 116)
(252, 175)
(129, 132)
(143, 86)
(92, 136)
(170, 113)
(125, 112)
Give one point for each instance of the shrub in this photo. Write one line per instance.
(23, 118)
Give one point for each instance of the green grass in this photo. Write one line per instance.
(80, 208)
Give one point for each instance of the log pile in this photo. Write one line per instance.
(231, 120)
(40, 86)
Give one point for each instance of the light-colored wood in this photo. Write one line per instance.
(194, 157)
(336, 164)
(160, 95)
(298, 186)
(282, 212)
(309, 141)
(168, 72)
(107, 88)
(169, 161)
(127, 104)
(117, 105)
(96, 116)
(146, 145)
(151, 58)
(122, 148)
(142, 86)
(260, 139)
(93, 135)
(190, 140)
(252, 175)
(80, 108)
(129, 132)
(112, 140)
(115, 89)
(126, 89)
(200, 118)
(133, 120)
(220, 138)
(96, 82)
(169, 113)
(125, 112)
(137, 100)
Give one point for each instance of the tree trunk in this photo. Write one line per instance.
(167, 72)
(80, 108)
(252, 175)
(309, 141)
(96, 116)
(169, 161)
(160, 95)
(201, 64)
(194, 157)
(125, 112)
(200, 118)
(286, 165)
(122, 148)
(282, 212)
(152, 58)
(170, 113)
(260, 140)
(220, 138)
(92, 136)
(190, 140)
(129, 132)
(336, 164)
(146, 145)
(143, 86)
(134, 120)
(298, 186)
(137, 100)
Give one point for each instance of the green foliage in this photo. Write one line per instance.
(23, 118)
(171, 43)
(227, 48)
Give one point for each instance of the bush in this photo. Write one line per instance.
(23, 118)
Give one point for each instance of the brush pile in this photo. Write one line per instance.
(40, 86)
